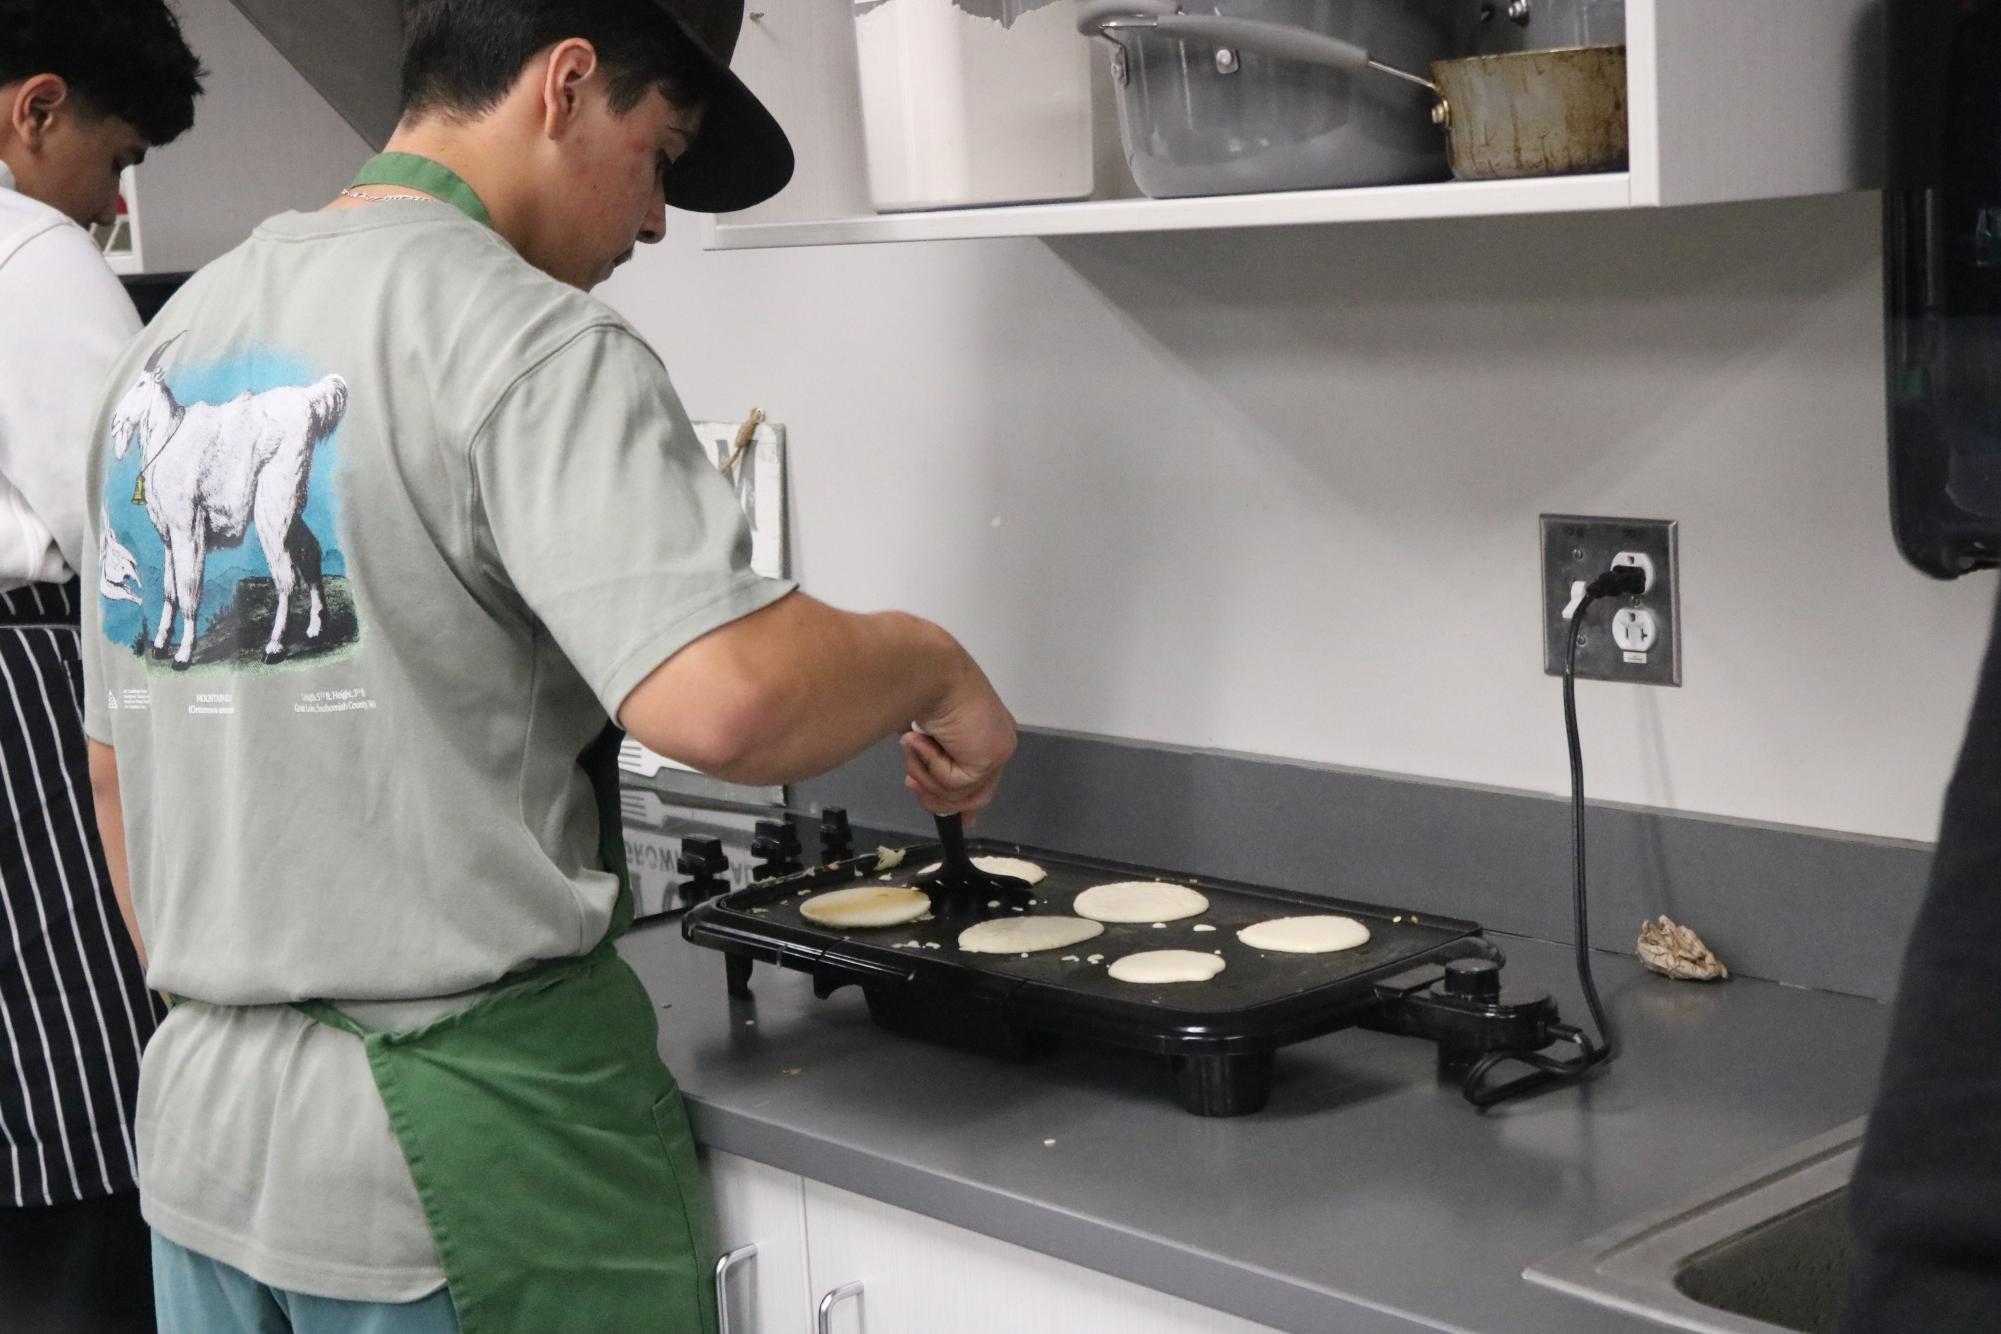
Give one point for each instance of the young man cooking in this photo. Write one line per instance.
(86, 87)
(413, 518)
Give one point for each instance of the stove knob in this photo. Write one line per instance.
(837, 839)
(702, 859)
(776, 847)
(1477, 979)
(775, 841)
(707, 867)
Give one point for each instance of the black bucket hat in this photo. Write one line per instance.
(741, 157)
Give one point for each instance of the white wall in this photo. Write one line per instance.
(263, 142)
(1277, 491)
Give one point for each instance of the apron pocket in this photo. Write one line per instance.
(677, 1142)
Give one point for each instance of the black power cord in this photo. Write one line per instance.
(1619, 581)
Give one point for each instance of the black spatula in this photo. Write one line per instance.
(957, 884)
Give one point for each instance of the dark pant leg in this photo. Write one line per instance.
(77, 1268)
(1925, 1207)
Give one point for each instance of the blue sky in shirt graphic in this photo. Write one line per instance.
(224, 567)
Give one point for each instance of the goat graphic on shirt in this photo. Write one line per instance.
(203, 459)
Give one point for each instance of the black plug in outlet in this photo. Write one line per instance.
(1636, 638)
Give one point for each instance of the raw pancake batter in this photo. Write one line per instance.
(1025, 871)
(1306, 935)
(1027, 935)
(1164, 966)
(1140, 901)
(867, 906)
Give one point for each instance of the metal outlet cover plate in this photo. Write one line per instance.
(1579, 547)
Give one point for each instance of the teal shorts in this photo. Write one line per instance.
(193, 1294)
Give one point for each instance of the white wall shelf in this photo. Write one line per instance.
(1448, 199)
(1726, 100)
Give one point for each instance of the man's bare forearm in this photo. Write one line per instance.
(795, 689)
(111, 833)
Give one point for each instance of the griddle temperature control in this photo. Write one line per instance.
(1475, 979)
(1463, 1007)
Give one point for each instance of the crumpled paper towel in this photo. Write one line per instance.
(1678, 952)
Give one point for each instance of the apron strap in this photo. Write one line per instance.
(540, 977)
(414, 172)
(599, 761)
(332, 1018)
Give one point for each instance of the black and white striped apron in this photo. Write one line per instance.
(74, 1009)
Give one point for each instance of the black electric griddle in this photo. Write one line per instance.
(1427, 976)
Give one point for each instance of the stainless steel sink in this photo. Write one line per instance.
(1765, 1252)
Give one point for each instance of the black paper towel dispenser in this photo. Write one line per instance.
(1942, 275)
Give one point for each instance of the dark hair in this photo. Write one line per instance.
(462, 56)
(123, 58)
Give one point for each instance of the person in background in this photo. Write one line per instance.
(412, 519)
(1925, 1205)
(86, 87)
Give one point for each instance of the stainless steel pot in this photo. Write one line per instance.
(1522, 113)
(1202, 117)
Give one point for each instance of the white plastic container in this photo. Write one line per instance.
(971, 102)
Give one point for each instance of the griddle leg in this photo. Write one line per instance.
(1230, 1085)
(736, 968)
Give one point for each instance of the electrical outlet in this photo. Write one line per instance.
(1636, 639)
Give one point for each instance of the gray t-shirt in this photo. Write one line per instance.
(493, 521)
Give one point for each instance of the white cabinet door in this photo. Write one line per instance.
(760, 1206)
(920, 1276)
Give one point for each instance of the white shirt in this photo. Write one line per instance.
(63, 321)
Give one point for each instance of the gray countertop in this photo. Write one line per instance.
(1366, 1199)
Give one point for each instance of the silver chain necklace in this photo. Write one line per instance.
(352, 193)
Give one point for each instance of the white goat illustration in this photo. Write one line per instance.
(116, 565)
(212, 469)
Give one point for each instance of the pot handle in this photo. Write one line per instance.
(1279, 40)
(1091, 15)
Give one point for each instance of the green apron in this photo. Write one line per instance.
(547, 1141)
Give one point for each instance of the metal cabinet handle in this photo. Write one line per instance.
(723, 1267)
(833, 1299)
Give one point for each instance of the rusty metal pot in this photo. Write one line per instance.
(1521, 113)
(1534, 113)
